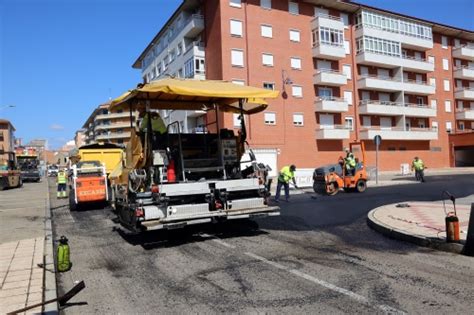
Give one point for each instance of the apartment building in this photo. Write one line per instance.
(103, 126)
(345, 71)
(7, 139)
(80, 138)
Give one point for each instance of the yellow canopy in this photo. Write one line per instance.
(182, 94)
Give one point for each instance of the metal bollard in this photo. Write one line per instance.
(468, 249)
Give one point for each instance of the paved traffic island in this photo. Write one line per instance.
(422, 223)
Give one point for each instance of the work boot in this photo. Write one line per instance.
(58, 195)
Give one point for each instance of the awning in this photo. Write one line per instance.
(186, 94)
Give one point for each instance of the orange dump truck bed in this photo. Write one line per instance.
(91, 189)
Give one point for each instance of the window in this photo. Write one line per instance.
(189, 68)
(346, 69)
(266, 31)
(348, 97)
(236, 120)
(294, 35)
(199, 68)
(433, 81)
(298, 119)
(449, 126)
(444, 42)
(236, 28)
(434, 125)
(349, 123)
(329, 36)
(378, 45)
(446, 85)
(420, 100)
(431, 59)
(434, 104)
(179, 49)
(269, 86)
(345, 19)
(295, 63)
(270, 118)
(293, 8)
(266, 4)
(461, 125)
(297, 91)
(447, 106)
(267, 60)
(347, 47)
(235, 3)
(237, 57)
(238, 82)
(445, 64)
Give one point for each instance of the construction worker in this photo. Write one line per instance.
(287, 173)
(350, 162)
(157, 124)
(62, 181)
(418, 166)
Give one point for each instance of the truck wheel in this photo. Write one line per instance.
(72, 202)
(332, 188)
(361, 185)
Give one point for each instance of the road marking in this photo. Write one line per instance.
(359, 298)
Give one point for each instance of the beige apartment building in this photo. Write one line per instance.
(346, 72)
(103, 126)
(7, 147)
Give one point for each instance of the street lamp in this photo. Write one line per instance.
(286, 80)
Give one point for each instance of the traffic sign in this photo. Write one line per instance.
(377, 140)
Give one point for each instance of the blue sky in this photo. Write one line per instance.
(59, 59)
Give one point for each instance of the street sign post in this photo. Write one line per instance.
(377, 141)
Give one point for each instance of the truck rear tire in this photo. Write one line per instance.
(361, 185)
(72, 203)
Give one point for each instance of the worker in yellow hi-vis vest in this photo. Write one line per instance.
(62, 182)
(287, 174)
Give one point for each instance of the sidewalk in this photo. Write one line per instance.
(25, 242)
(422, 223)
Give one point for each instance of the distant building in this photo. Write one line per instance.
(7, 143)
(105, 127)
(70, 145)
(80, 138)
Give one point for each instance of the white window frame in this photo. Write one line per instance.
(351, 119)
(293, 8)
(348, 98)
(434, 104)
(347, 47)
(444, 42)
(236, 120)
(434, 125)
(298, 119)
(266, 4)
(431, 59)
(272, 83)
(238, 81)
(347, 70)
(295, 63)
(445, 64)
(345, 19)
(296, 37)
(296, 88)
(233, 53)
(433, 82)
(235, 3)
(264, 28)
(447, 106)
(267, 59)
(449, 126)
(236, 28)
(446, 85)
(269, 121)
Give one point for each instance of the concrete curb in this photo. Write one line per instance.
(419, 240)
(50, 290)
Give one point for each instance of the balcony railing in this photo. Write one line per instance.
(333, 132)
(327, 16)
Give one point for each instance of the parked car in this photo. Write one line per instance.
(52, 171)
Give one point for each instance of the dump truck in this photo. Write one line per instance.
(175, 179)
(10, 175)
(329, 179)
(88, 173)
(28, 163)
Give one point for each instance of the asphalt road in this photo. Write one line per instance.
(319, 256)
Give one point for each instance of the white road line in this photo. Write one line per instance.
(359, 298)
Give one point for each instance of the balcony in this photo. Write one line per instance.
(396, 109)
(407, 41)
(464, 52)
(114, 115)
(418, 87)
(329, 21)
(329, 78)
(195, 49)
(465, 114)
(333, 132)
(382, 60)
(331, 105)
(465, 93)
(393, 133)
(328, 51)
(465, 73)
(380, 83)
(193, 25)
(113, 135)
(113, 126)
